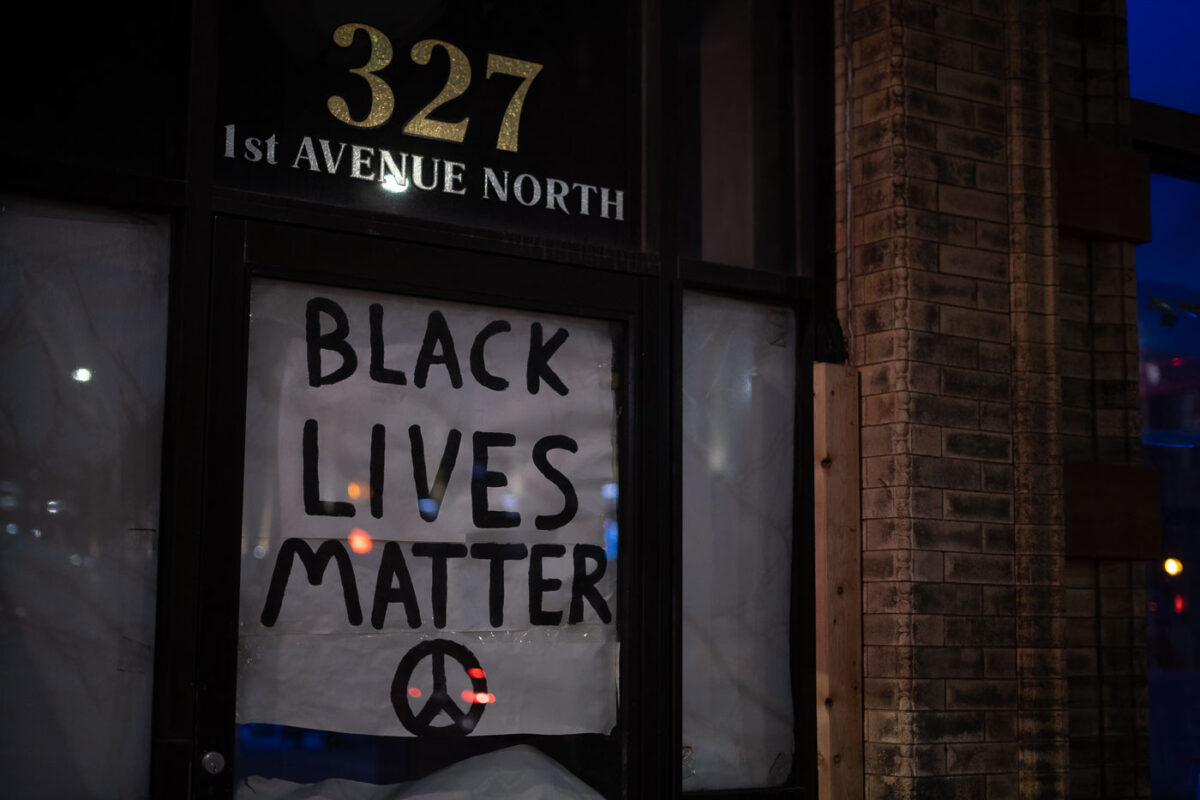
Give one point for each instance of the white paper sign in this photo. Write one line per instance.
(446, 474)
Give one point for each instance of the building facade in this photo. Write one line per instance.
(994, 323)
(742, 396)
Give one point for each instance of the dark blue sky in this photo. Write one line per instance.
(1164, 52)
(1164, 68)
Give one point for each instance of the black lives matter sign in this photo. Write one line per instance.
(421, 471)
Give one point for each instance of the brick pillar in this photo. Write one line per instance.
(959, 299)
(928, 301)
(1039, 534)
(1097, 351)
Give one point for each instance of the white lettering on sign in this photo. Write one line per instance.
(400, 172)
(426, 481)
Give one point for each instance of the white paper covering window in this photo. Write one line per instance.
(738, 423)
(83, 299)
(447, 473)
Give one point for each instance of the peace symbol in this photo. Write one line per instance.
(421, 723)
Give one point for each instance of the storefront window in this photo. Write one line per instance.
(84, 296)
(429, 543)
(105, 87)
(735, 182)
(739, 381)
(423, 264)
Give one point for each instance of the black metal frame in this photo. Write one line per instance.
(245, 250)
(806, 102)
(218, 229)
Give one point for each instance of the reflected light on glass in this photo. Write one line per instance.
(510, 503)
(391, 183)
(1180, 604)
(360, 541)
(610, 539)
(75, 559)
(1172, 566)
(414, 691)
(12, 529)
(354, 491)
(53, 506)
(428, 505)
(478, 697)
(475, 672)
(82, 374)
(37, 533)
(609, 491)
(260, 551)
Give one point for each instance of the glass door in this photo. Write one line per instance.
(428, 568)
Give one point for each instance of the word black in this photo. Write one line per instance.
(437, 347)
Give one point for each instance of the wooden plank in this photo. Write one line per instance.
(838, 582)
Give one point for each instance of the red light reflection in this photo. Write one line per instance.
(360, 541)
(475, 672)
(414, 691)
(478, 697)
(1180, 604)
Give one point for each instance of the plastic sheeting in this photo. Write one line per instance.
(83, 299)
(738, 408)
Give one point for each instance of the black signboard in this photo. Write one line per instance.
(515, 116)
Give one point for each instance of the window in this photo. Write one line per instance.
(85, 295)
(738, 416)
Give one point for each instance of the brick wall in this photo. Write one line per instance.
(991, 350)
(1097, 331)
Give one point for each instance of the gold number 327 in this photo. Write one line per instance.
(383, 102)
